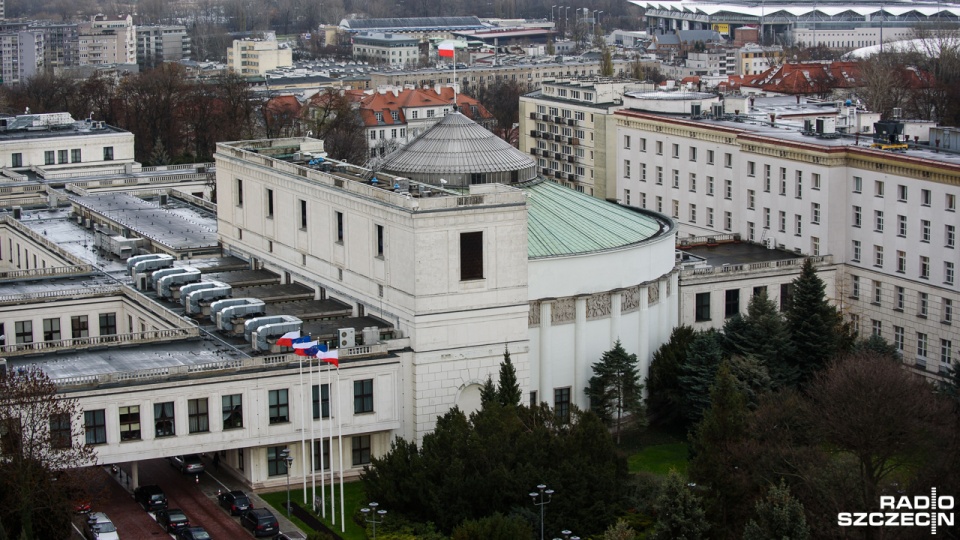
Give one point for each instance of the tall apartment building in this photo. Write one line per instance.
(161, 43)
(60, 41)
(888, 219)
(564, 125)
(394, 50)
(253, 57)
(106, 39)
(21, 56)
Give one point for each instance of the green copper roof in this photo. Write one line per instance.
(562, 221)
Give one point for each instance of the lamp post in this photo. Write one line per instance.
(596, 14)
(288, 460)
(541, 498)
(374, 514)
(551, 12)
(566, 20)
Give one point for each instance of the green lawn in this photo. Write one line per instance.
(354, 498)
(660, 458)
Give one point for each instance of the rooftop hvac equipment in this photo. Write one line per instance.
(371, 335)
(224, 311)
(166, 283)
(142, 264)
(258, 330)
(192, 294)
(157, 274)
(347, 337)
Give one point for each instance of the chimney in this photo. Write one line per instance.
(436, 88)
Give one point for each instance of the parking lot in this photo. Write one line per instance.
(198, 500)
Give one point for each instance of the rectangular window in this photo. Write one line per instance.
(279, 406)
(878, 220)
(923, 304)
(561, 404)
(855, 291)
(340, 227)
(786, 295)
(783, 222)
(693, 153)
(380, 241)
(361, 450)
(815, 213)
(878, 188)
(921, 345)
(902, 193)
(198, 415)
(946, 311)
(898, 297)
(783, 181)
(948, 272)
(24, 331)
(659, 204)
(728, 160)
(643, 142)
(626, 168)
(814, 246)
(163, 419)
(626, 197)
(950, 236)
(659, 176)
(731, 305)
(643, 172)
(676, 209)
(946, 351)
(75, 155)
(728, 189)
(815, 181)
(925, 197)
(799, 186)
(693, 213)
(766, 218)
(797, 224)
(95, 426)
(232, 409)
(693, 182)
(703, 307)
(471, 256)
(766, 178)
(79, 326)
(951, 202)
(270, 203)
(857, 216)
(239, 192)
(902, 262)
(876, 327)
(878, 256)
(363, 396)
(108, 324)
(925, 231)
(62, 156)
(856, 251)
(16, 160)
(49, 158)
(61, 432)
(51, 329)
(108, 153)
(626, 142)
(728, 221)
(898, 338)
(924, 267)
(710, 186)
(129, 423)
(877, 292)
(676, 179)
(751, 199)
(675, 151)
(709, 157)
(902, 226)
(321, 400)
(276, 462)
(857, 184)
(321, 455)
(303, 215)
(751, 168)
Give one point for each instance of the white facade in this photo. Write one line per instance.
(107, 40)
(888, 220)
(394, 50)
(157, 44)
(853, 38)
(251, 57)
(21, 56)
(92, 146)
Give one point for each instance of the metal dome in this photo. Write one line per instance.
(461, 152)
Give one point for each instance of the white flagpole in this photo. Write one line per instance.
(313, 441)
(303, 431)
(323, 481)
(343, 524)
(333, 481)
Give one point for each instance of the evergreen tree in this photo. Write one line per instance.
(494, 527)
(779, 516)
(753, 379)
(680, 514)
(508, 390)
(735, 331)
(664, 394)
(767, 338)
(714, 444)
(698, 373)
(620, 530)
(815, 326)
(488, 392)
(878, 346)
(615, 389)
(159, 154)
(950, 385)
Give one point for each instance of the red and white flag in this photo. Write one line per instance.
(446, 49)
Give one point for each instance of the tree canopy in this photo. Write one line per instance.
(615, 390)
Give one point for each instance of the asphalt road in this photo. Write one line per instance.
(197, 500)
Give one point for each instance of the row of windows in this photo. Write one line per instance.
(692, 152)
(731, 301)
(926, 196)
(198, 413)
(471, 243)
(79, 328)
(949, 230)
(949, 267)
(877, 298)
(945, 354)
(51, 157)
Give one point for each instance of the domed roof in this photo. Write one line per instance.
(562, 221)
(461, 152)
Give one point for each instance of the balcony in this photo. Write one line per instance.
(572, 177)
(545, 171)
(571, 159)
(533, 116)
(571, 122)
(558, 119)
(557, 138)
(533, 151)
(558, 156)
(558, 175)
(533, 133)
(545, 118)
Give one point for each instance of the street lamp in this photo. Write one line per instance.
(288, 459)
(566, 19)
(551, 12)
(374, 514)
(596, 15)
(543, 495)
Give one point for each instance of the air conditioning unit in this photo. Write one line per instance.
(348, 337)
(695, 110)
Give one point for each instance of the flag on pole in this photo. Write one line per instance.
(330, 357)
(286, 340)
(446, 49)
(310, 351)
(304, 343)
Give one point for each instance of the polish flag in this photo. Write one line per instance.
(330, 357)
(286, 340)
(446, 49)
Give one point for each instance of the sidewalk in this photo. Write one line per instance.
(227, 482)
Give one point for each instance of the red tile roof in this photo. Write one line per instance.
(806, 77)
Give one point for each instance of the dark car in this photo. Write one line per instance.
(260, 521)
(193, 533)
(151, 498)
(236, 502)
(190, 463)
(172, 519)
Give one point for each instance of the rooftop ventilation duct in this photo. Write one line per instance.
(249, 307)
(158, 274)
(192, 294)
(148, 263)
(267, 327)
(166, 283)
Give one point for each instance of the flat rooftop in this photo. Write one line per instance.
(739, 253)
(79, 129)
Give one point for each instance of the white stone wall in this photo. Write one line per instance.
(91, 145)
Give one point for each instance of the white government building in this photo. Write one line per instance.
(453, 253)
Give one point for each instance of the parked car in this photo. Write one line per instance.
(172, 519)
(236, 502)
(151, 498)
(260, 521)
(193, 533)
(293, 535)
(190, 463)
(99, 527)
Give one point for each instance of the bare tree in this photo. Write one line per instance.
(41, 441)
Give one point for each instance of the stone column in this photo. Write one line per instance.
(538, 368)
(134, 475)
(616, 303)
(643, 340)
(579, 348)
(663, 313)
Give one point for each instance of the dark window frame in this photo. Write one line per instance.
(164, 419)
(363, 396)
(471, 256)
(198, 415)
(232, 408)
(561, 404)
(702, 309)
(360, 448)
(95, 426)
(279, 408)
(129, 419)
(321, 400)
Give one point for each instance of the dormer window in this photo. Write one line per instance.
(379, 116)
(395, 115)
